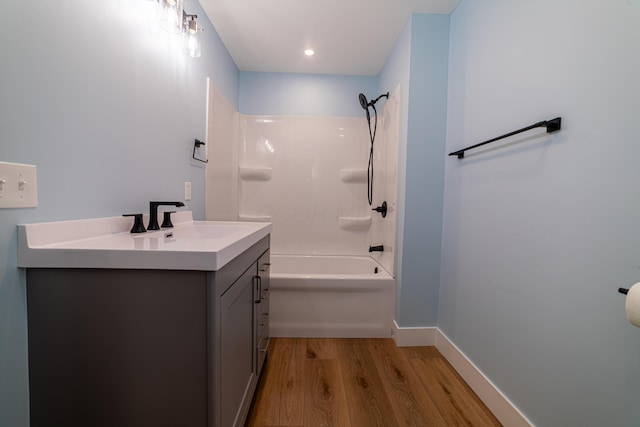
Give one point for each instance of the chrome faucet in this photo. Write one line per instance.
(153, 213)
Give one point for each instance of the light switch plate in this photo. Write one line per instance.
(18, 186)
(187, 190)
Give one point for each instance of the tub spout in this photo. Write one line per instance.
(379, 248)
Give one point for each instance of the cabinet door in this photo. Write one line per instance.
(236, 349)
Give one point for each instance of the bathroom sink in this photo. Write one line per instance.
(107, 243)
(208, 230)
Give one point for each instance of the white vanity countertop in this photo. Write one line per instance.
(107, 243)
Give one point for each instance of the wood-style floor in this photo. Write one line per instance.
(312, 382)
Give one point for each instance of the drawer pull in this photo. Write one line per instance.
(265, 266)
(258, 288)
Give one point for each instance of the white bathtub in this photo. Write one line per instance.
(330, 296)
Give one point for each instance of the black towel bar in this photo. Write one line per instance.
(552, 125)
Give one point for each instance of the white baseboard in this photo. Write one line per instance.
(498, 403)
(413, 337)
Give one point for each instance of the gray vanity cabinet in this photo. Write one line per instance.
(121, 347)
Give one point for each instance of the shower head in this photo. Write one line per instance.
(363, 101)
(366, 104)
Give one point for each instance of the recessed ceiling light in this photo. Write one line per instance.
(309, 52)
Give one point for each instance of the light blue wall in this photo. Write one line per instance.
(426, 132)
(106, 107)
(538, 235)
(418, 64)
(304, 94)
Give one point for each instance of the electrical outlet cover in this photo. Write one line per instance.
(187, 190)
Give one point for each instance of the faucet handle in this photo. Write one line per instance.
(166, 221)
(138, 226)
(381, 209)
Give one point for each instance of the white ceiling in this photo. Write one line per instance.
(353, 37)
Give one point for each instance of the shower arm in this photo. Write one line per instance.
(384, 95)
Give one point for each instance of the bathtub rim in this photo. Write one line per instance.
(381, 275)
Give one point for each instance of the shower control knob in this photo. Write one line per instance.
(382, 209)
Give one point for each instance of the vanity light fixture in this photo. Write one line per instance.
(170, 15)
(192, 42)
(175, 20)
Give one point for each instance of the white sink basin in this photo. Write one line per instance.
(107, 243)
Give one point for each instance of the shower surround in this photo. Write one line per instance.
(308, 177)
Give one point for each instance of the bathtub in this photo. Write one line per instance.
(330, 297)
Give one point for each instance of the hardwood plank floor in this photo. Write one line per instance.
(313, 382)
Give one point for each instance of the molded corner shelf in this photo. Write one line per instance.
(354, 223)
(254, 218)
(353, 175)
(255, 174)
